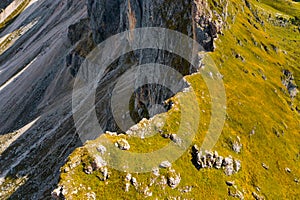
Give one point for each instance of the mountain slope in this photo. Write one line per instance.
(258, 44)
(43, 46)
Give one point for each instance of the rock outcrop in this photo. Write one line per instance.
(210, 159)
(288, 81)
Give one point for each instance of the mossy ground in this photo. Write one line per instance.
(256, 100)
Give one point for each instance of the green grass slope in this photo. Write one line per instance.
(252, 54)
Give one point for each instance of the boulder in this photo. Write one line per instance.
(134, 182)
(91, 196)
(147, 192)
(105, 173)
(256, 196)
(101, 149)
(265, 166)
(174, 181)
(228, 161)
(229, 170)
(165, 164)
(230, 183)
(98, 162)
(155, 171)
(128, 177)
(235, 193)
(165, 135)
(175, 139)
(59, 193)
(202, 161)
(228, 166)
(111, 133)
(237, 165)
(127, 182)
(163, 182)
(122, 144)
(209, 159)
(218, 163)
(236, 147)
(88, 170)
(127, 185)
(186, 189)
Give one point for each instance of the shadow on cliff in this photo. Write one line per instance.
(38, 155)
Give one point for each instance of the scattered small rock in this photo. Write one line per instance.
(98, 162)
(252, 132)
(155, 171)
(165, 135)
(75, 162)
(122, 144)
(105, 174)
(165, 164)
(163, 182)
(230, 183)
(127, 182)
(288, 81)
(237, 146)
(235, 193)
(101, 149)
(67, 169)
(91, 196)
(175, 139)
(288, 170)
(265, 166)
(218, 163)
(111, 133)
(174, 180)
(127, 185)
(134, 182)
(256, 196)
(128, 177)
(228, 164)
(186, 189)
(88, 170)
(147, 192)
(257, 189)
(237, 165)
(59, 193)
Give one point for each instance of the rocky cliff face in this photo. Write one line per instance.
(38, 66)
(193, 18)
